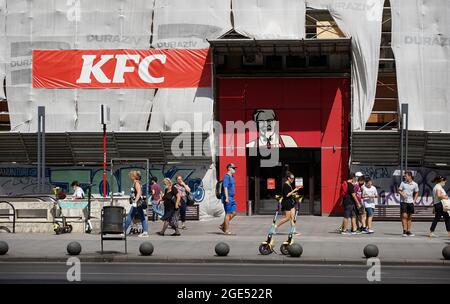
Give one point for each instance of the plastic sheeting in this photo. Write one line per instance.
(187, 109)
(268, 19)
(421, 45)
(83, 24)
(360, 20)
(2, 47)
(187, 24)
(180, 24)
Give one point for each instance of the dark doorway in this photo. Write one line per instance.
(265, 182)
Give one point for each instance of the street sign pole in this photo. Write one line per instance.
(104, 120)
(104, 162)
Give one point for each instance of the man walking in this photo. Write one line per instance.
(359, 207)
(349, 201)
(409, 193)
(228, 200)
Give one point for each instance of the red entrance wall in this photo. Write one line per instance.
(312, 111)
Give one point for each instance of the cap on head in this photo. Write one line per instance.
(358, 174)
(231, 165)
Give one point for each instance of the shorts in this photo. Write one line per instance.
(287, 205)
(370, 212)
(360, 211)
(407, 208)
(349, 211)
(230, 207)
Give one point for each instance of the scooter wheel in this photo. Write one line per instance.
(284, 249)
(265, 249)
(69, 228)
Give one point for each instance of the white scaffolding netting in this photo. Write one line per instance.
(268, 19)
(187, 24)
(80, 24)
(360, 20)
(2, 47)
(421, 45)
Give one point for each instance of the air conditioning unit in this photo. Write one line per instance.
(253, 59)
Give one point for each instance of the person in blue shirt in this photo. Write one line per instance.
(228, 200)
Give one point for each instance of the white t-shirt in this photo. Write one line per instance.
(409, 189)
(369, 202)
(79, 193)
(436, 189)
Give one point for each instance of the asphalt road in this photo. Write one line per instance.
(41, 273)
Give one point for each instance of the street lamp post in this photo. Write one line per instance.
(104, 120)
(41, 149)
(404, 139)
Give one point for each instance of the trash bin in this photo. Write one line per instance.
(112, 219)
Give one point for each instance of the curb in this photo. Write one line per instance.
(108, 258)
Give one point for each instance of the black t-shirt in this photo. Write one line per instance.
(285, 191)
(348, 199)
(169, 199)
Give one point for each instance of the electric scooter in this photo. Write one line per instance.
(63, 226)
(290, 240)
(267, 247)
(88, 224)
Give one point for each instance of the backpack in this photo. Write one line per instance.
(344, 189)
(219, 189)
(190, 200)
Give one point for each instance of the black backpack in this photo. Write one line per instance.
(219, 189)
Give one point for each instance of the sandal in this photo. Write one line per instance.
(221, 228)
(160, 233)
(227, 232)
(176, 234)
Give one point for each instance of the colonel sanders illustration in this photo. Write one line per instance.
(268, 131)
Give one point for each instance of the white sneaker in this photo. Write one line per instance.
(432, 235)
(143, 234)
(371, 231)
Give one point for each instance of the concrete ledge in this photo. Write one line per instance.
(122, 258)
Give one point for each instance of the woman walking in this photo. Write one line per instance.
(439, 195)
(156, 197)
(183, 189)
(288, 203)
(136, 204)
(171, 200)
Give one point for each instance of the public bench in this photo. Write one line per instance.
(392, 213)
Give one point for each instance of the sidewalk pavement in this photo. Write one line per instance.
(320, 241)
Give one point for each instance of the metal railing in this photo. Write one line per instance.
(13, 214)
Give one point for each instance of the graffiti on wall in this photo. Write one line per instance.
(387, 183)
(23, 180)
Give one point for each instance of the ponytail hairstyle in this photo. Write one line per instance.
(439, 178)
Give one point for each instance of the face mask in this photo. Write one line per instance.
(233, 171)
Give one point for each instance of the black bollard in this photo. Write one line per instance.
(295, 250)
(222, 249)
(370, 251)
(74, 248)
(146, 248)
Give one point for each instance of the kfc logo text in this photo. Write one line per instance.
(121, 68)
(89, 68)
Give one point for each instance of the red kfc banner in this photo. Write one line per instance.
(121, 68)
